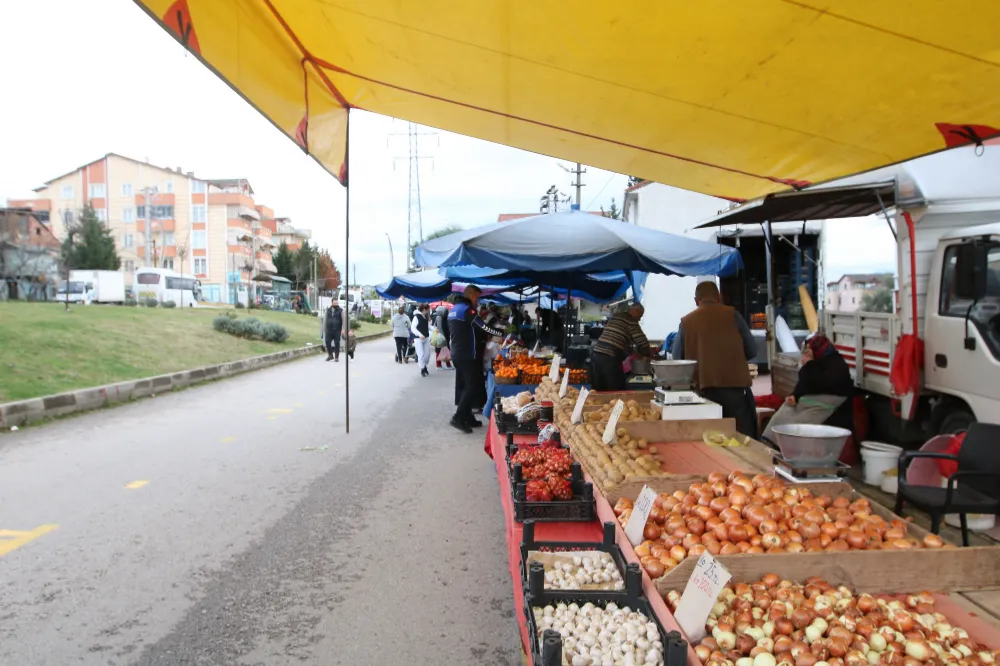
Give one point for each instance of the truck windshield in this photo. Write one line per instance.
(985, 314)
(74, 287)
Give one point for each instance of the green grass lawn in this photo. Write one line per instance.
(44, 350)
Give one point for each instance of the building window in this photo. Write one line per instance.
(128, 214)
(126, 189)
(198, 213)
(199, 240)
(198, 186)
(168, 238)
(128, 240)
(200, 266)
(67, 191)
(168, 186)
(67, 218)
(158, 212)
(168, 263)
(97, 190)
(102, 214)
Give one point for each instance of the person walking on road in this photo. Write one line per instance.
(401, 333)
(420, 327)
(334, 326)
(442, 354)
(718, 338)
(463, 324)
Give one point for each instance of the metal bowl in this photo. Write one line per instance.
(674, 373)
(808, 444)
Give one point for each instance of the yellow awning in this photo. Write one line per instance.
(731, 98)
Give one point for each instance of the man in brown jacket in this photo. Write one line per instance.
(718, 338)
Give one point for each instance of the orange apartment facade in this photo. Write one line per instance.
(228, 238)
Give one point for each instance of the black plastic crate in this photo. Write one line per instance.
(579, 509)
(607, 545)
(546, 650)
(508, 423)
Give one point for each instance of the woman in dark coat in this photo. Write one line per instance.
(334, 326)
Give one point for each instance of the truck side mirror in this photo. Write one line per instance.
(970, 271)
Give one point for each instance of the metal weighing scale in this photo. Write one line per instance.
(808, 453)
(675, 394)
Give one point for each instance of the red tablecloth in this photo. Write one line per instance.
(591, 531)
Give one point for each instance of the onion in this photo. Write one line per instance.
(702, 652)
(678, 553)
(918, 649)
(933, 541)
(654, 568)
(770, 540)
(836, 646)
(729, 549)
(765, 659)
(642, 550)
(651, 531)
(718, 505)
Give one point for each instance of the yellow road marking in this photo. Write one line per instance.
(135, 485)
(298, 404)
(13, 539)
(278, 410)
(226, 440)
(272, 418)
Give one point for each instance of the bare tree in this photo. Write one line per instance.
(182, 253)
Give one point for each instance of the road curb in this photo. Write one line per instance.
(81, 400)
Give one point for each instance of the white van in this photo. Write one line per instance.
(164, 284)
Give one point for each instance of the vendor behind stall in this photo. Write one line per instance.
(822, 394)
(718, 338)
(620, 336)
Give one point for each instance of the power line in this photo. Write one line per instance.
(601, 191)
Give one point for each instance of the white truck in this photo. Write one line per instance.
(90, 286)
(945, 211)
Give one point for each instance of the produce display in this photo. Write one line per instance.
(608, 465)
(632, 412)
(547, 470)
(595, 636)
(513, 403)
(774, 622)
(762, 514)
(589, 570)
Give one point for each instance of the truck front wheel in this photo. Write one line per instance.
(953, 418)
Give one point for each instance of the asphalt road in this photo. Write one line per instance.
(197, 527)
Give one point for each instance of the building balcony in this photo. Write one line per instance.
(230, 199)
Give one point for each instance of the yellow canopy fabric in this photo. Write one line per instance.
(731, 98)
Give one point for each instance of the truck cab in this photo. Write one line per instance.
(962, 322)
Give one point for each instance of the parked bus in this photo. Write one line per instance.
(164, 284)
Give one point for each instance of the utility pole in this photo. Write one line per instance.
(578, 171)
(392, 267)
(148, 193)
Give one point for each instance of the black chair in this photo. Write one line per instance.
(974, 488)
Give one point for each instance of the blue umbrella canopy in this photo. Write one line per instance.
(573, 241)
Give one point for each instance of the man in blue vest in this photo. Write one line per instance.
(462, 323)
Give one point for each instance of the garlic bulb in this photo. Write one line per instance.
(609, 636)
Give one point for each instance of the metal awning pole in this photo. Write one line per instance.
(770, 310)
(347, 269)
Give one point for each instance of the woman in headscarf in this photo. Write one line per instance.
(823, 392)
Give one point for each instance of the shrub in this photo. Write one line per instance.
(169, 304)
(150, 302)
(354, 324)
(265, 306)
(250, 328)
(239, 305)
(131, 302)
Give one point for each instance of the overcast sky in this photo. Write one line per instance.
(84, 78)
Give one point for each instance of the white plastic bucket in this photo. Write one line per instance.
(878, 458)
(977, 522)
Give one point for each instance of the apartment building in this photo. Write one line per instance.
(283, 231)
(209, 228)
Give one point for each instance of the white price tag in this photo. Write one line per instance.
(609, 431)
(565, 384)
(640, 514)
(578, 408)
(554, 369)
(700, 595)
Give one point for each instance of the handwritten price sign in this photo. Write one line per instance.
(701, 593)
(640, 514)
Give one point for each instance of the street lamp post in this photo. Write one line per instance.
(69, 253)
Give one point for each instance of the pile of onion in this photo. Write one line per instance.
(775, 622)
(762, 514)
